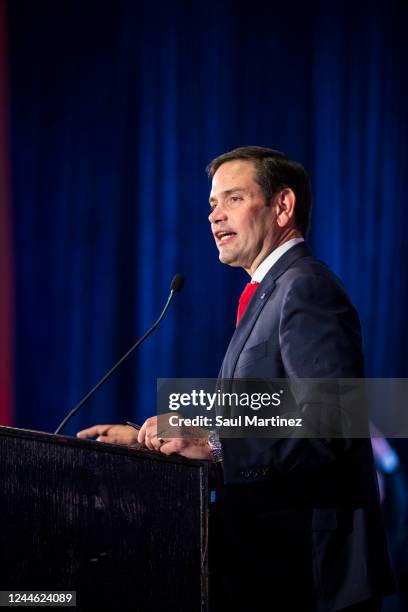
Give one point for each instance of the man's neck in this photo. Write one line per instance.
(292, 234)
(273, 257)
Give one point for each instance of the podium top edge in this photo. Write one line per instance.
(93, 445)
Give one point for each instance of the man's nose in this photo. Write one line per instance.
(217, 214)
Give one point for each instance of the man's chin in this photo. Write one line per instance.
(228, 260)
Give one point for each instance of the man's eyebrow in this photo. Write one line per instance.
(228, 192)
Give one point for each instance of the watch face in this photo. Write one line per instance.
(215, 446)
(212, 438)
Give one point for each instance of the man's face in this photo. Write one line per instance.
(241, 222)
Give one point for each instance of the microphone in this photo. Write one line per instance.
(176, 286)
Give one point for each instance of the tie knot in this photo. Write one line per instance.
(244, 299)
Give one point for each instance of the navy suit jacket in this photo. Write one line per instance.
(301, 515)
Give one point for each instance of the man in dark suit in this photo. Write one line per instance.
(298, 519)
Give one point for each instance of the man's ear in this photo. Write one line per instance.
(285, 202)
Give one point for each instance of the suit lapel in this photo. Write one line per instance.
(256, 305)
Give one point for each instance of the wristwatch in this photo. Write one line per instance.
(214, 443)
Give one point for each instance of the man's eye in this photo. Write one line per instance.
(235, 198)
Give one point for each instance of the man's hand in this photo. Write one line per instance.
(192, 448)
(114, 434)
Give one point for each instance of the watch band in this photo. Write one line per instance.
(214, 443)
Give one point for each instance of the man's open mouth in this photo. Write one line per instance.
(223, 237)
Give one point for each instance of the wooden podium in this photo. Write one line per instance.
(126, 529)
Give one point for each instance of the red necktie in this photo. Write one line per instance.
(244, 299)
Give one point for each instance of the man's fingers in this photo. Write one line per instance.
(142, 434)
(172, 445)
(94, 431)
(157, 441)
(190, 448)
(147, 431)
(151, 440)
(149, 434)
(111, 439)
(166, 448)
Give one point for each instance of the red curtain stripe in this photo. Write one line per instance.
(6, 279)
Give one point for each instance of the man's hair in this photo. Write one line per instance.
(274, 172)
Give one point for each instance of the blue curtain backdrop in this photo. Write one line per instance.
(116, 109)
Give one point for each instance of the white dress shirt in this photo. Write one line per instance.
(272, 258)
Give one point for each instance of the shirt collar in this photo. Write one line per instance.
(272, 258)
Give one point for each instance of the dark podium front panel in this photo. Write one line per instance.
(125, 529)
